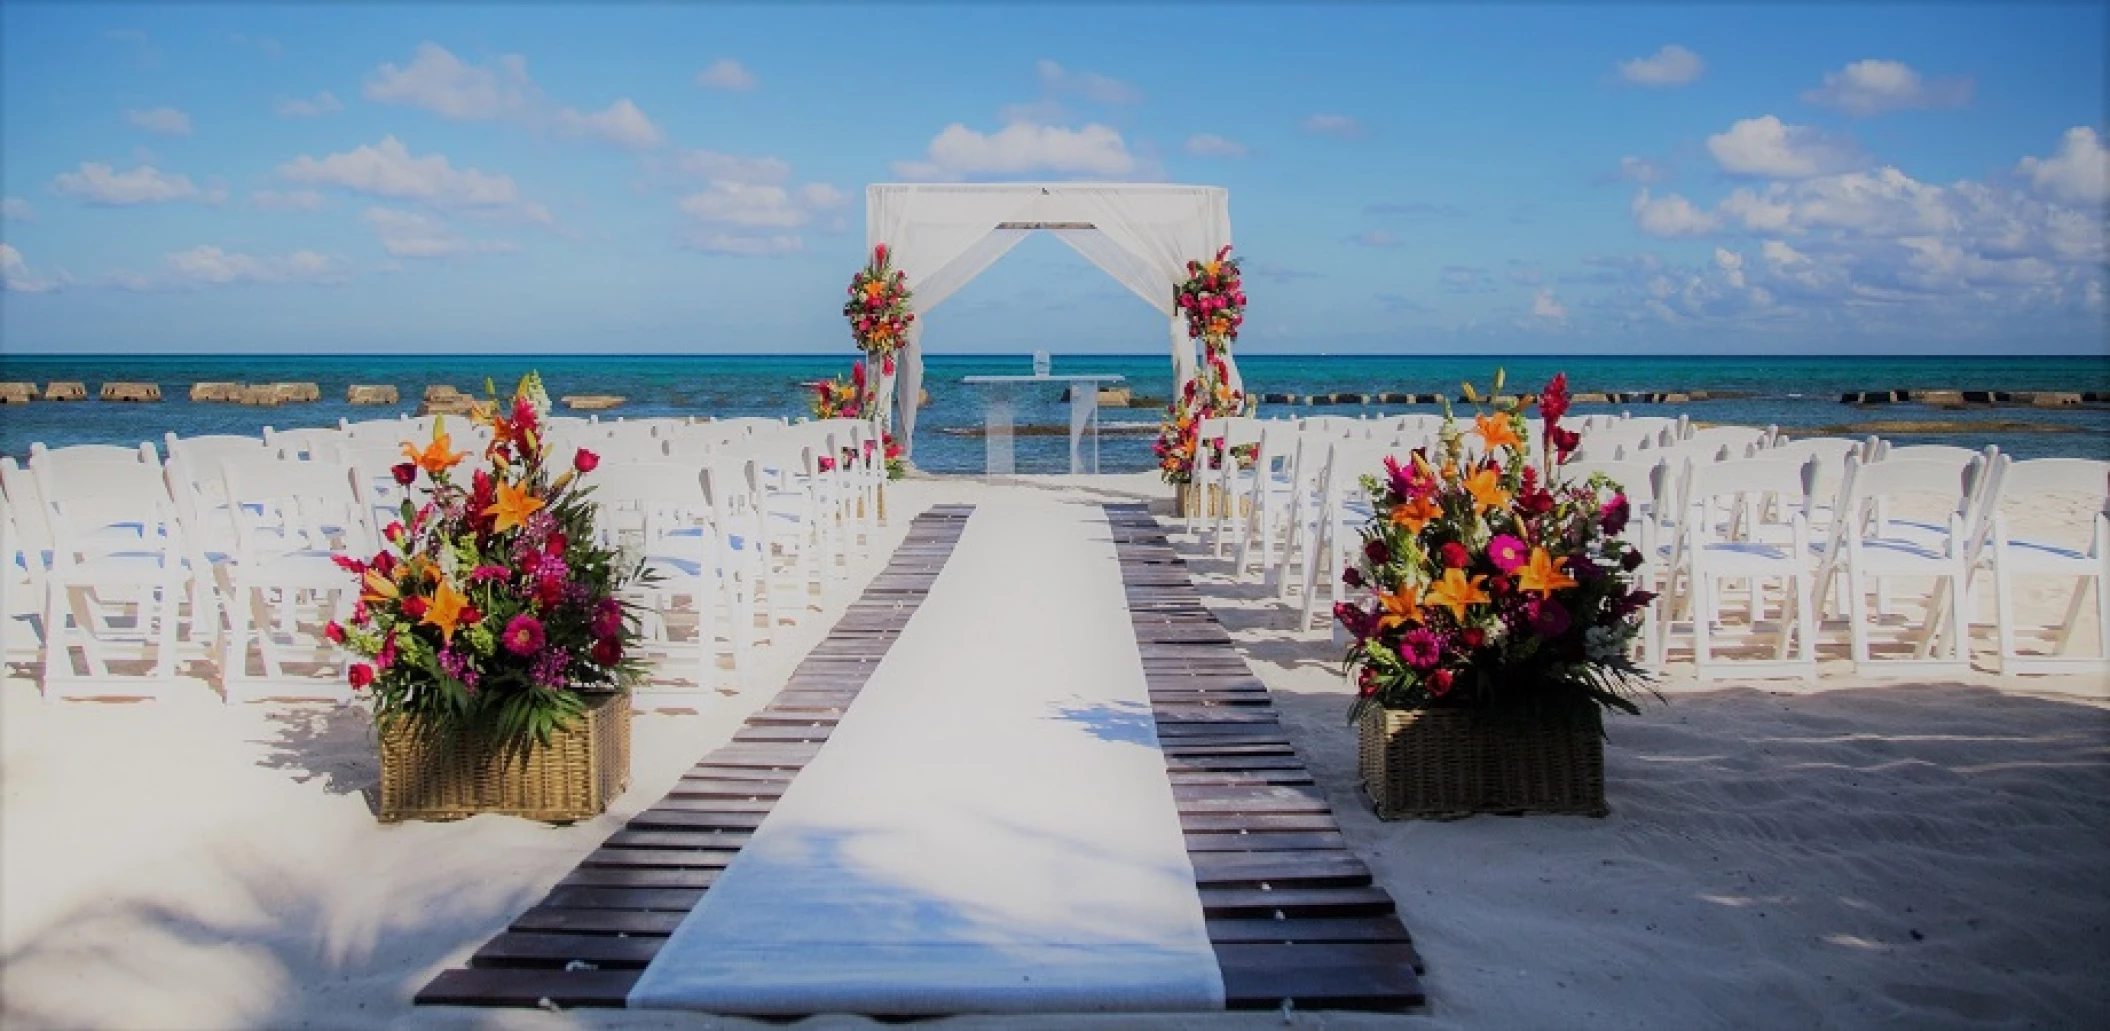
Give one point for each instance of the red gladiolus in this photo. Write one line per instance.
(384, 563)
(334, 632)
(557, 545)
(1352, 576)
(607, 651)
(585, 461)
(405, 474)
(414, 607)
(879, 253)
(1455, 556)
(1553, 401)
(1366, 683)
(359, 675)
(1613, 516)
(349, 564)
(1440, 683)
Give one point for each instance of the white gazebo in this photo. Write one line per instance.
(944, 234)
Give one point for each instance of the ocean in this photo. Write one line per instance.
(1799, 394)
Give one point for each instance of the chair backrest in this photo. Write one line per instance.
(651, 498)
(1748, 484)
(302, 442)
(2082, 477)
(1639, 481)
(90, 454)
(82, 502)
(286, 505)
(19, 487)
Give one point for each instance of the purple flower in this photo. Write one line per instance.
(1420, 648)
(523, 635)
(1507, 552)
(1548, 618)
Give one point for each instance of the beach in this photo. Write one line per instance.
(1848, 853)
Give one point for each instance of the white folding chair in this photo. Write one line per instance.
(1871, 552)
(2087, 565)
(1725, 536)
(289, 518)
(116, 540)
(660, 514)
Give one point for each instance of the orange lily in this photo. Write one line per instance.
(1455, 592)
(1486, 488)
(1496, 431)
(512, 508)
(436, 458)
(1415, 513)
(378, 587)
(445, 610)
(1401, 606)
(1543, 573)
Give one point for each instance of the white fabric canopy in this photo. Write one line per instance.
(944, 234)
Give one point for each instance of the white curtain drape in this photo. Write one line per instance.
(943, 235)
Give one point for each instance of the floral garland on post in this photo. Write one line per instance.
(879, 317)
(491, 612)
(1494, 583)
(1213, 300)
(845, 399)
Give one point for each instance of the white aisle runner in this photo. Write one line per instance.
(990, 828)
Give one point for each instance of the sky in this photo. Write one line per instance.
(690, 178)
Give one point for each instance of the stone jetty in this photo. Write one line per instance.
(1977, 398)
(1109, 397)
(267, 395)
(227, 392)
(442, 399)
(17, 393)
(372, 394)
(592, 402)
(131, 392)
(61, 390)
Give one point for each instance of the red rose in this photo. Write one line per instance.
(1440, 683)
(359, 675)
(1377, 552)
(557, 545)
(1472, 637)
(1455, 555)
(471, 615)
(1352, 576)
(405, 474)
(607, 651)
(334, 632)
(585, 461)
(1366, 683)
(1498, 585)
(414, 607)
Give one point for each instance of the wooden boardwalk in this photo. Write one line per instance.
(586, 942)
(1292, 913)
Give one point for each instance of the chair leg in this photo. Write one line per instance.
(1857, 604)
(1701, 602)
(1805, 625)
(2063, 637)
(2004, 618)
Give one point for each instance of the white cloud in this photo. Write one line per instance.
(1544, 306)
(15, 274)
(438, 81)
(727, 74)
(1333, 125)
(387, 169)
(1732, 265)
(742, 204)
(1375, 238)
(1872, 87)
(99, 184)
(1210, 145)
(1639, 170)
(1092, 86)
(769, 246)
(1765, 146)
(15, 209)
(621, 124)
(166, 120)
(1023, 147)
(294, 107)
(213, 266)
(442, 83)
(1670, 215)
(286, 200)
(2078, 174)
(711, 164)
(822, 197)
(1671, 66)
(407, 234)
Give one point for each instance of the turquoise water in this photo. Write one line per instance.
(1794, 393)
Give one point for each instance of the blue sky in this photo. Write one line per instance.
(1692, 179)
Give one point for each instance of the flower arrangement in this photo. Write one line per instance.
(846, 399)
(1494, 583)
(1213, 300)
(490, 610)
(878, 308)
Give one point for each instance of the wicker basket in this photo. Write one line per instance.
(573, 777)
(1190, 500)
(1448, 763)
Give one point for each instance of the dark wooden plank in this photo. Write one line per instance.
(1325, 868)
(572, 989)
(677, 802)
(637, 877)
(1222, 798)
(1319, 929)
(1285, 841)
(1246, 778)
(1329, 976)
(536, 949)
(1292, 902)
(1198, 823)
(656, 819)
(597, 921)
(686, 840)
(661, 858)
(711, 787)
(678, 900)
(1234, 762)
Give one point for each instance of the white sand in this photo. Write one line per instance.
(1771, 853)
